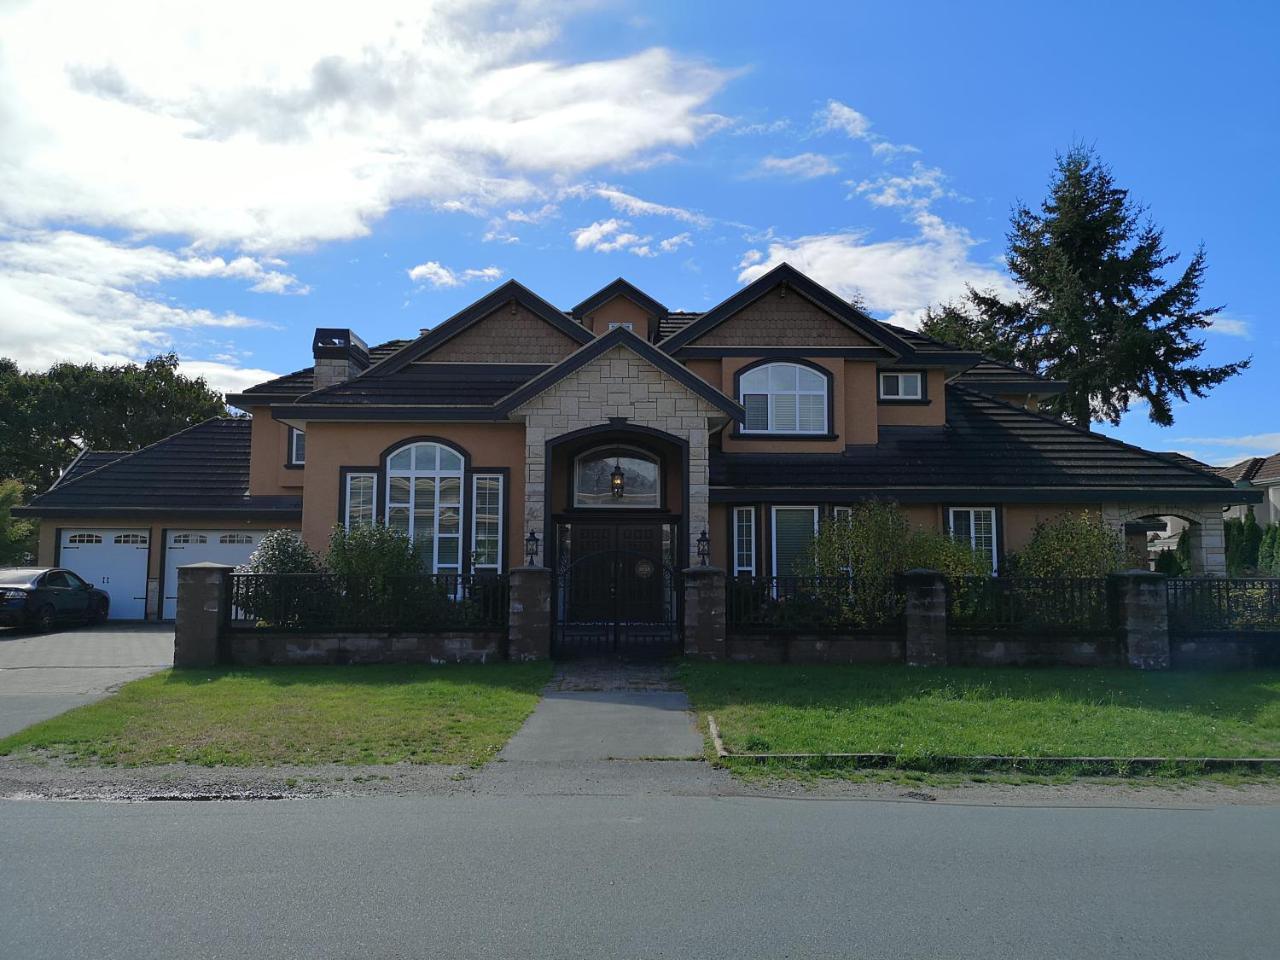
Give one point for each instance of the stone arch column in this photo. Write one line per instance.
(1208, 538)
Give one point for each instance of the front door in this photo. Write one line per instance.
(616, 592)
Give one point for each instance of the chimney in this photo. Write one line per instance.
(339, 353)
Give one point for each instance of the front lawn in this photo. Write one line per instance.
(916, 714)
(298, 715)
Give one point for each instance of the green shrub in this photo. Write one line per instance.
(1072, 545)
(1269, 550)
(373, 553)
(877, 541)
(1167, 562)
(282, 551)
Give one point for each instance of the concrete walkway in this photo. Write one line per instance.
(44, 674)
(609, 711)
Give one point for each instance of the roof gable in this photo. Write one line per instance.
(846, 314)
(509, 293)
(620, 288)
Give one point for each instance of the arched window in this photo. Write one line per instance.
(137, 539)
(784, 398)
(639, 478)
(237, 538)
(84, 538)
(424, 501)
(188, 539)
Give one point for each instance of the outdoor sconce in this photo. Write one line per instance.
(704, 548)
(617, 480)
(531, 548)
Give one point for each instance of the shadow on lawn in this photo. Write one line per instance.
(521, 677)
(1241, 695)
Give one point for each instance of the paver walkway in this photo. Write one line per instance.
(608, 711)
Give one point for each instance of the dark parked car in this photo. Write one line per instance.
(42, 596)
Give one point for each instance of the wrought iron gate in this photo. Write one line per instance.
(616, 603)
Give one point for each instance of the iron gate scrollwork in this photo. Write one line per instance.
(616, 603)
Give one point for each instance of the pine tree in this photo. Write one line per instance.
(1097, 310)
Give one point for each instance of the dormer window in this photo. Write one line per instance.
(628, 325)
(784, 398)
(901, 386)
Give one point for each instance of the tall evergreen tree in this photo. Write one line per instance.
(1097, 310)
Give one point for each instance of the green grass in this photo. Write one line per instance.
(916, 714)
(298, 715)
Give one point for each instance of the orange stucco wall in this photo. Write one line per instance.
(620, 310)
(331, 446)
(835, 366)
(933, 413)
(268, 451)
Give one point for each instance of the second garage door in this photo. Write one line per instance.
(181, 547)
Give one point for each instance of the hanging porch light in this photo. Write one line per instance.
(617, 480)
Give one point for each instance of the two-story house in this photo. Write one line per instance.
(616, 428)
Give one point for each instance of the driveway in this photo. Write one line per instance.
(41, 675)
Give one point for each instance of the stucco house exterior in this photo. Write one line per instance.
(618, 427)
(1261, 474)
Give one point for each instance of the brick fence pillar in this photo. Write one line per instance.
(529, 626)
(203, 590)
(1143, 612)
(926, 618)
(704, 617)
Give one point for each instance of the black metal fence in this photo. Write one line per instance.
(1045, 605)
(326, 603)
(814, 604)
(1238, 604)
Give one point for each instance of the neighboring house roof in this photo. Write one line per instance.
(293, 385)
(987, 450)
(203, 469)
(1269, 472)
(87, 461)
(1253, 470)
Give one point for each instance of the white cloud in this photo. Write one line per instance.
(843, 118)
(69, 296)
(897, 277)
(1269, 442)
(757, 129)
(223, 377)
(636, 207)
(887, 150)
(589, 237)
(804, 166)
(1231, 327)
(177, 120)
(672, 244)
(439, 276)
(916, 190)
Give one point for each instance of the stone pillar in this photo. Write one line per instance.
(1143, 607)
(203, 593)
(926, 618)
(704, 613)
(529, 626)
(1209, 546)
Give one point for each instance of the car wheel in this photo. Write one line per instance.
(44, 619)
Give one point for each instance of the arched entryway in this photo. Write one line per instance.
(616, 543)
(1161, 526)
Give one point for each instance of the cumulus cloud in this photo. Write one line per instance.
(895, 277)
(1231, 327)
(672, 244)
(439, 276)
(804, 166)
(916, 190)
(837, 117)
(636, 207)
(225, 377)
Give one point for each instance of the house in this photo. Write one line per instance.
(1256, 473)
(609, 442)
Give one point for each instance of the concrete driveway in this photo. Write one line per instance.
(41, 675)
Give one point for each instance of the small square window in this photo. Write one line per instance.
(628, 325)
(901, 386)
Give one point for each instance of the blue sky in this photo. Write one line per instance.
(220, 182)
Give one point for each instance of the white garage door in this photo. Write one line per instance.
(111, 560)
(200, 546)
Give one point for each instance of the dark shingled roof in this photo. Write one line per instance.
(87, 461)
(432, 384)
(203, 469)
(1191, 462)
(293, 385)
(985, 444)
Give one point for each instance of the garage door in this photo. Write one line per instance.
(111, 560)
(199, 546)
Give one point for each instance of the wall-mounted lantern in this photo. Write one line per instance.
(531, 548)
(704, 548)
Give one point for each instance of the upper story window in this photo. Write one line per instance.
(297, 447)
(784, 398)
(901, 386)
(615, 476)
(628, 325)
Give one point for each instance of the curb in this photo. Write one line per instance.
(996, 761)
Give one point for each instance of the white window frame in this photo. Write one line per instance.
(475, 517)
(294, 459)
(346, 496)
(738, 568)
(624, 324)
(995, 530)
(437, 474)
(900, 374)
(824, 393)
(773, 532)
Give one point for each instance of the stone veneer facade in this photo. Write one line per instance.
(1208, 538)
(618, 383)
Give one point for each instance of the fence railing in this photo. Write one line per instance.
(813, 604)
(1045, 605)
(326, 603)
(1223, 605)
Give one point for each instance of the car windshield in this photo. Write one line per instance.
(19, 576)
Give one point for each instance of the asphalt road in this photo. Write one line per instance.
(643, 876)
(41, 675)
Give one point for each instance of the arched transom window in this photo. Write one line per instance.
(424, 501)
(617, 476)
(784, 398)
